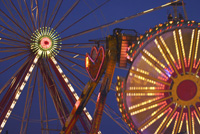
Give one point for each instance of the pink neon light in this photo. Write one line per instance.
(45, 43)
(94, 57)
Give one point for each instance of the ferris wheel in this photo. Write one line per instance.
(43, 51)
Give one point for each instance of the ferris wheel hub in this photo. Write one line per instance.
(186, 90)
(45, 42)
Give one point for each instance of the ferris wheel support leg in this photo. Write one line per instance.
(18, 89)
(60, 107)
(85, 118)
(106, 84)
(11, 89)
(81, 103)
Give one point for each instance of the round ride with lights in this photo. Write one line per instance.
(161, 93)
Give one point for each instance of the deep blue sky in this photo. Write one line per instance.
(114, 10)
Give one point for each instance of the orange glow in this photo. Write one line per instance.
(87, 62)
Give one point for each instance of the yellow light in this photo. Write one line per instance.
(144, 103)
(182, 46)
(163, 121)
(164, 104)
(177, 50)
(187, 125)
(181, 124)
(197, 117)
(197, 46)
(175, 124)
(176, 113)
(193, 129)
(164, 56)
(87, 62)
(169, 52)
(191, 45)
(154, 120)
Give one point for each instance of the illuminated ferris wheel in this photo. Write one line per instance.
(42, 53)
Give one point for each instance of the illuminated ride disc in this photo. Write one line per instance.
(161, 93)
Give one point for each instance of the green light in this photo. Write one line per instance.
(45, 42)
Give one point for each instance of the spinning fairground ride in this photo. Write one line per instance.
(49, 71)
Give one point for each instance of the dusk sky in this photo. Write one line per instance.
(111, 11)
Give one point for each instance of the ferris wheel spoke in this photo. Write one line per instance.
(156, 63)
(12, 31)
(195, 65)
(191, 49)
(9, 38)
(23, 16)
(197, 116)
(149, 77)
(10, 11)
(14, 40)
(189, 120)
(73, 53)
(14, 22)
(179, 40)
(13, 64)
(75, 57)
(10, 44)
(66, 14)
(13, 56)
(162, 75)
(153, 103)
(154, 118)
(163, 121)
(18, 31)
(54, 13)
(28, 104)
(30, 16)
(147, 91)
(194, 45)
(42, 12)
(178, 125)
(27, 26)
(72, 61)
(197, 111)
(37, 14)
(77, 44)
(166, 55)
(169, 52)
(84, 16)
(167, 120)
(193, 123)
(46, 13)
(13, 50)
